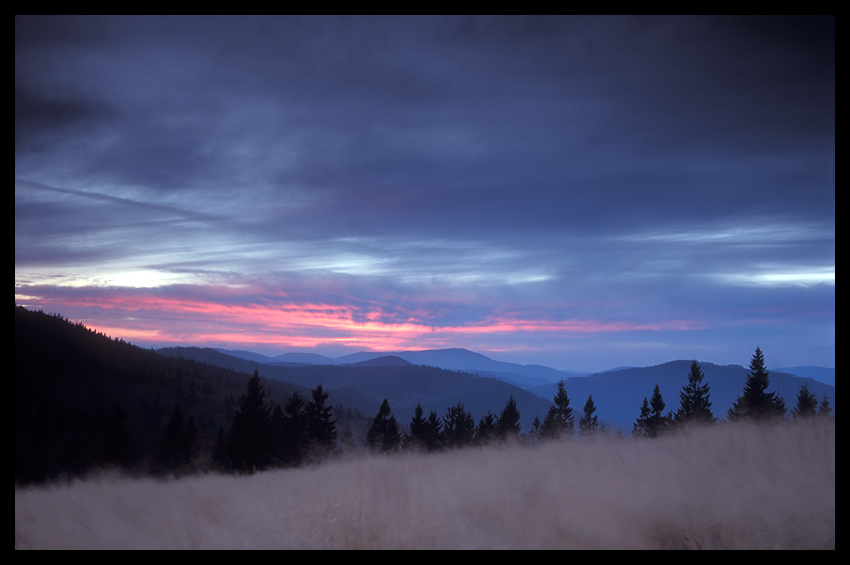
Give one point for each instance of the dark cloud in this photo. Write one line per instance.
(596, 156)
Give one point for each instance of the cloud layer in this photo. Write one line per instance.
(578, 183)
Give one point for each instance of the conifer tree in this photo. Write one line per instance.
(418, 425)
(588, 422)
(756, 404)
(294, 432)
(486, 432)
(641, 426)
(384, 435)
(824, 409)
(433, 432)
(508, 425)
(559, 420)
(695, 407)
(249, 443)
(320, 427)
(657, 421)
(458, 427)
(807, 403)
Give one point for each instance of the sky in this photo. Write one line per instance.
(577, 192)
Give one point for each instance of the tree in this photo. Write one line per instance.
(433, 432)
(694, 406)
(249, 443)
(458, 427)
(384, 435)
(652, 420)
(174, 449)
(807, 403)
(559, 420)
(508, 425)
(588, 422)
(486, 432)
(641, 426)
(756, 404)
(418, 426)
(292, 429)
(320, 427)
(824, 409)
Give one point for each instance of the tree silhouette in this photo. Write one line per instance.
(458, 427)
(824, 409)
(694, 407)
(249, 445)
(588, 422)
(433, 432)
(295, 435)
(418, 429)
(756, 404)
(174, 445)
(486, 431)
(321, 428)
(807, 403)
(652, 420)
(559, 420)
(508, 425)
(641, 426)
(384, 435)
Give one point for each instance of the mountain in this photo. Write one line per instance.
(618, 394)
(365, 381)
(457, 359)
(385, 361)
(821, 374)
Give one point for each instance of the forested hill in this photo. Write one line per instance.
(83, 399)
(363, 387)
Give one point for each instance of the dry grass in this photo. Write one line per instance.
(724, 487)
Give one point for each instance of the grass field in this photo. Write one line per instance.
(730, 486)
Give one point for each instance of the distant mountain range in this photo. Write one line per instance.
(617, 393)
(451, 359)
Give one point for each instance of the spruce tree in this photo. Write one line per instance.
(756, 404)
(508, 425)
(320, 427)
(458, 427)
(294, 432)
(807, 403)
(486, 432)
(433, 432)
(824, 409)
(694, 406)
(641, 426)
(249, 443)
(384, 435)
(418, 426)
(588, 422)
(657, 421)
(559, 420)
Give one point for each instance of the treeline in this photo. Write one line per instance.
(457, 427)
(755, 404)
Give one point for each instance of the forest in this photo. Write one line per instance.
(121, 447)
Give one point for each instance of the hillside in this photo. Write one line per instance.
(83, 399)
(363, 385)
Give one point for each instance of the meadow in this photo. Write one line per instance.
(727, 486)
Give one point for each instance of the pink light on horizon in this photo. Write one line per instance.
(281, 321)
